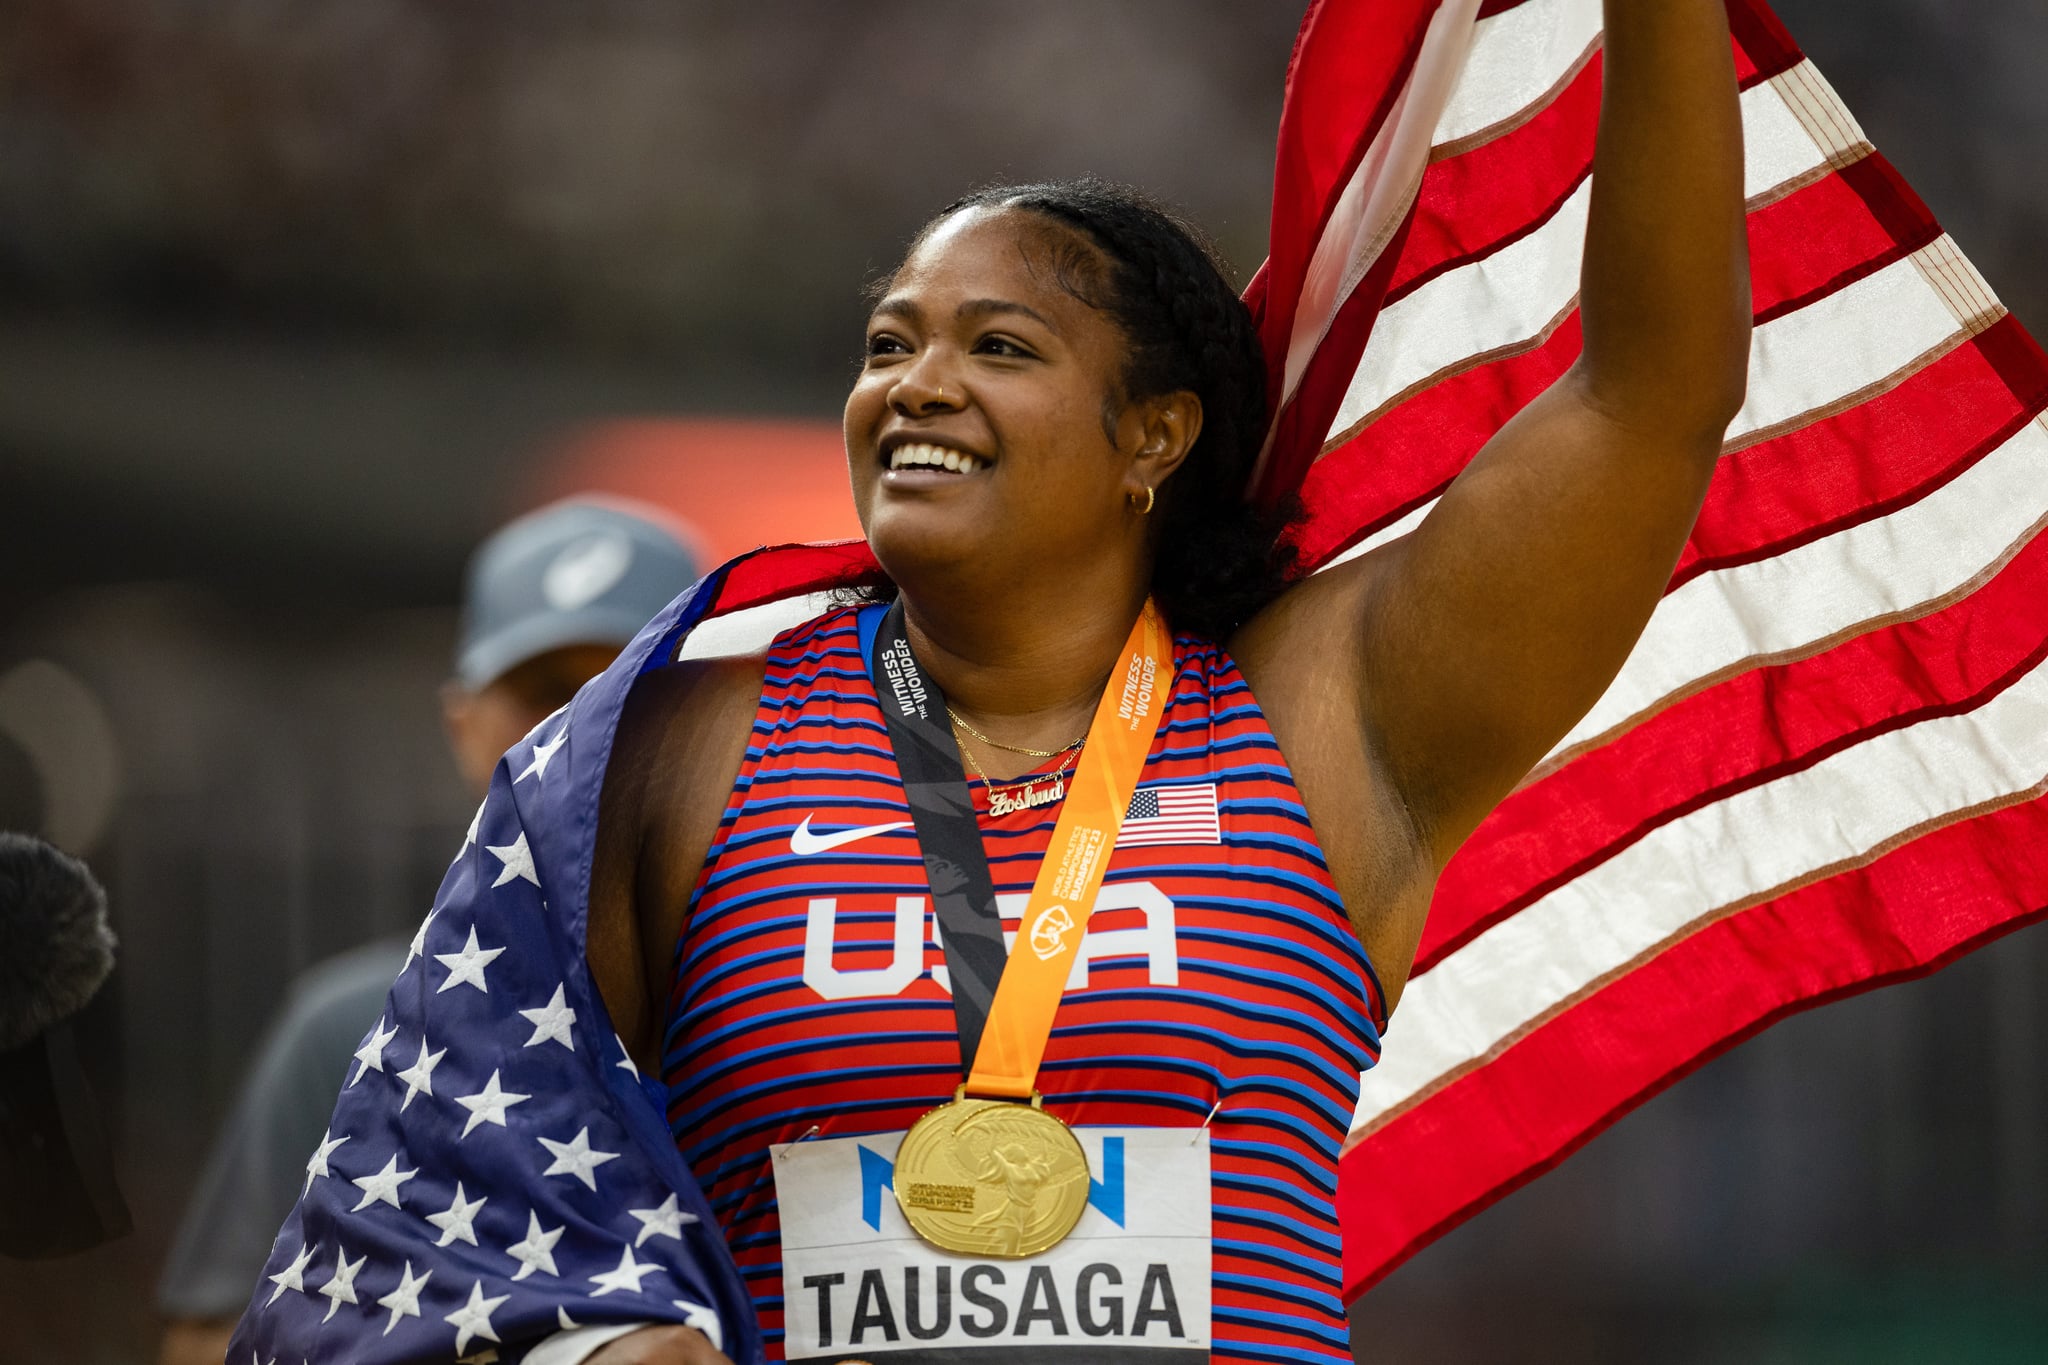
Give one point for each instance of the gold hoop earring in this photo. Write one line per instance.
(1150, 498)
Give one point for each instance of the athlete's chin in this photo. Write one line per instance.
(926, 545)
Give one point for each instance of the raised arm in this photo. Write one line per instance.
(1481, 638)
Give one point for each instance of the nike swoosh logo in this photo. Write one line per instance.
(803, 843)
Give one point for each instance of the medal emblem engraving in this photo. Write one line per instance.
(991, 1178)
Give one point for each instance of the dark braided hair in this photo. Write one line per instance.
(1219, 558)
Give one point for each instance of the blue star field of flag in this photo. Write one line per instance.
(496, 1170)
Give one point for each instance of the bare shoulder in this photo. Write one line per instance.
(681, 740)
(1301, 656)
(679, 718)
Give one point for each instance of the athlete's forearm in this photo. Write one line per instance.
(1665, 297)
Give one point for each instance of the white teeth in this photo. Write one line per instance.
(922, 456)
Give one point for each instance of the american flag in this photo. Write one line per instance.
(1825, 766)
(1183, 813)
(496, 1171)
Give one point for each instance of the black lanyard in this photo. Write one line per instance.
(942, 810)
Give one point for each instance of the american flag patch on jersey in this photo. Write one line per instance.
(1180, 814)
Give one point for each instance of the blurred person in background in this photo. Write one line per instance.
(548, 602)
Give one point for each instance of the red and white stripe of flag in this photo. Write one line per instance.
(1824, 765)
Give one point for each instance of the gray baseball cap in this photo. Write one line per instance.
(579, 572)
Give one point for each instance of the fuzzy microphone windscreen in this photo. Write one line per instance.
(55, 946)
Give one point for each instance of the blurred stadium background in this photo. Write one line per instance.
(298, 300)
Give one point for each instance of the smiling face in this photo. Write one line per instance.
(987, 435)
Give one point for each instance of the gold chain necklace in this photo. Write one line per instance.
(1024, 793)
(1012, 748)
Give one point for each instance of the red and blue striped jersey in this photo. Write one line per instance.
(1222, 981)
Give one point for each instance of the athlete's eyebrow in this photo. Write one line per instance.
(901, 306)
(989, 307)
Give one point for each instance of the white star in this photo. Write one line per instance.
(626, 1277)
(551, 1021)
(568, 1323)
(317, 1163)
(455, 1220)
(473, 1319)
(404, 1301)
(371, 1053)
(537, 1252)
(576, 1158)
(517, 858)
(545, 721)
(420, 1075)
(467, 965)
(625, 1063)
(292, 1276)
(544, 754)
(475, 823)
(666, 1221)
(341, 1288)
(381, 1188)
(489, 1104)
(419, 939)
(704, 1320)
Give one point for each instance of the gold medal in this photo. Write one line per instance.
(991, 1177)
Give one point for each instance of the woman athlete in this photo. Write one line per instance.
(1059, 408)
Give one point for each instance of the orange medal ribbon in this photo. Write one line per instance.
(1056, 918)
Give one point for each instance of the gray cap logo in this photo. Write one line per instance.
(571, 573)
(586, 569)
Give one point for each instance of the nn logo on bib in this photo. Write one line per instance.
(878, 1173)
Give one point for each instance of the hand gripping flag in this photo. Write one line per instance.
(1824, 767)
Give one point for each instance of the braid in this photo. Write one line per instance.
(1218, 558)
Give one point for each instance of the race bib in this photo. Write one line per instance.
(1129, 1285)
